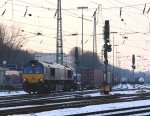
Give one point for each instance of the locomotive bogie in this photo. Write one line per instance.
(34, 87)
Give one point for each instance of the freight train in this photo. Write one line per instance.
(43, 77)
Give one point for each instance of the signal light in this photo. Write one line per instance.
(133, 59)
(109, 49)
(133, 66)
(106, 30)
(106, 62)
(76, 56)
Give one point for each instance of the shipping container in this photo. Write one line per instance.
(91, 78)
(98, 74)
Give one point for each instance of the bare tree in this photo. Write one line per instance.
(11, 41)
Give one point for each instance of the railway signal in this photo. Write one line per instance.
(133, 67)
(76, 56)
(77, 75)
(133, 61)
(107, 47)
(106, 31)
(106, 87)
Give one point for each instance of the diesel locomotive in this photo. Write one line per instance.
(43, 77)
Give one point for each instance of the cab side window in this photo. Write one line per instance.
(53, 72)
(46, 70)
(69, 73)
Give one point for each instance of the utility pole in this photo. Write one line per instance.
(82, 8)
(117, 58)
(113, 52)
(59, 41)
(102, 54)
(116, 53)
(94, 45)
(94, 38)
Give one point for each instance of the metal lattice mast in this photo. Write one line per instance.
(94, 46)
(59, 41)
(94, 40)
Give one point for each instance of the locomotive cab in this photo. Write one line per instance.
(33, 75)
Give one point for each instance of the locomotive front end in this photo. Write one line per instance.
(33, 77)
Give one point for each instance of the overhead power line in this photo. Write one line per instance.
(4, 4)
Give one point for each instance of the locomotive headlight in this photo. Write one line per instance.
(24, 80)
(41, 79)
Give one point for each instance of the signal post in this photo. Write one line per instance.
(106, 85)
(133, 67)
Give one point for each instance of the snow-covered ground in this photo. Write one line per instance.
(69, 111)
(91, 108)
(6, 93)
(120, 86)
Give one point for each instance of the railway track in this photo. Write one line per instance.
(16, 100)
(118, 112)
(43, 99)
(78, 101)
(50, 95)
(36, 96)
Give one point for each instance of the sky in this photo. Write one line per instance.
(129, 19)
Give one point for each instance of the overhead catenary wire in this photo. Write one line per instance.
(38, 6)
(127, 13)
(4, 4)
(3, 12)
(75, 16)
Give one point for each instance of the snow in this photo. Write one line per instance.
(69, 111)
(7, 93)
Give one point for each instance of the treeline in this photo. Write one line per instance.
(11, 42)
(88, 61)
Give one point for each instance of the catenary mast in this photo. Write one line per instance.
(59, 40)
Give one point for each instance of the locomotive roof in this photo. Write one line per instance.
(47, 64)
(54, 65)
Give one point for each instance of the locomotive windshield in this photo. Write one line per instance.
(36, 69)
(27, 70)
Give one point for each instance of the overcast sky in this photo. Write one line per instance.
(129, 18)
